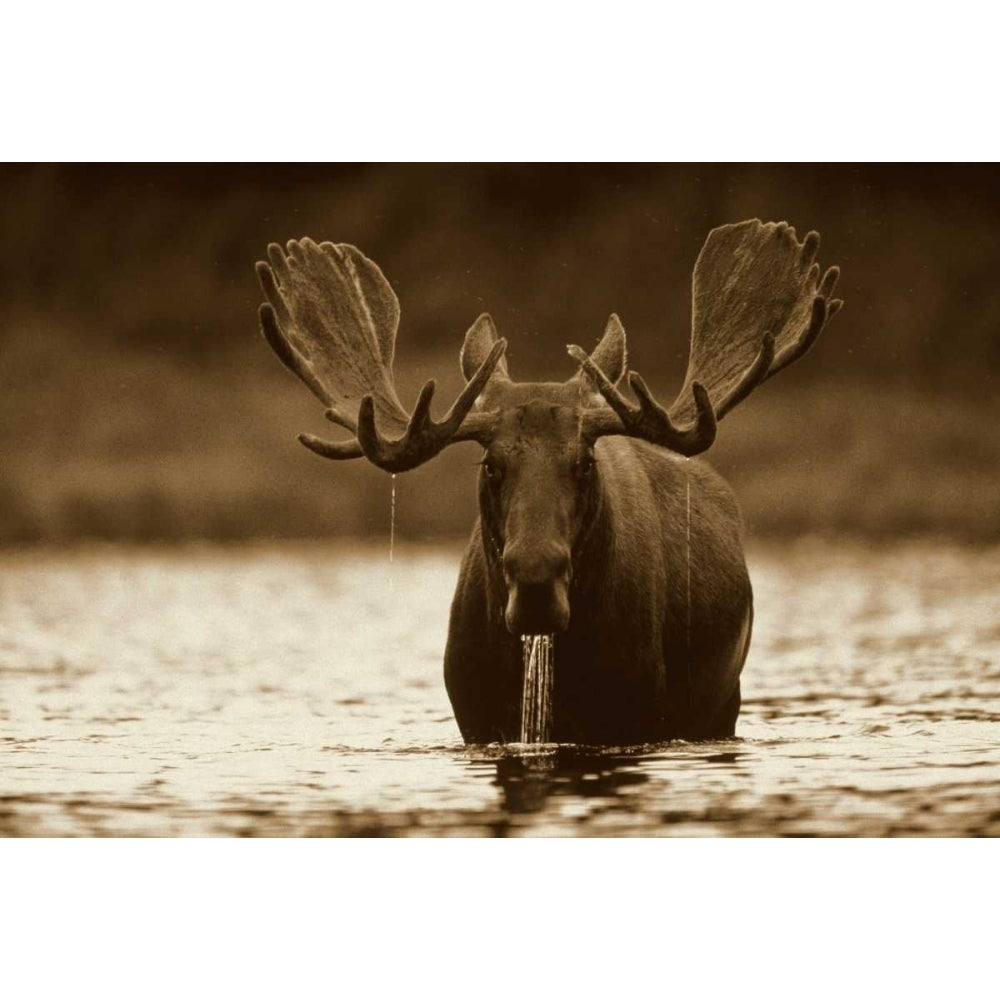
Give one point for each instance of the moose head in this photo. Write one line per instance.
(331, 317)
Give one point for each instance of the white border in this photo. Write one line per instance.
(534, 918)
(532, 80)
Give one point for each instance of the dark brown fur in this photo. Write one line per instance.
(640, 661)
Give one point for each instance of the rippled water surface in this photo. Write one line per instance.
(298, 690)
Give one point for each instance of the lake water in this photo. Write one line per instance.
(297, 690)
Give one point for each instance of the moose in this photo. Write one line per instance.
(596, 524)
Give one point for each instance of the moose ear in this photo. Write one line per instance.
(610, 355)
(479, 342)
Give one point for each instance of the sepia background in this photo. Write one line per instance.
(138, 401)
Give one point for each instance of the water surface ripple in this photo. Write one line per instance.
(297, 690)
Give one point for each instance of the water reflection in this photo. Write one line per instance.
(527, 782)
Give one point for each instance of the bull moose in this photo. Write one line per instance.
(595, 525)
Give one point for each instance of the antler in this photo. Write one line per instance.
(758, 306)
(331, 318)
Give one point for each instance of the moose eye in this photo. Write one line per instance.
(491, 469)
(585, 466)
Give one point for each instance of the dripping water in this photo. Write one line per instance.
(536, 696)
(687, 485)
(392, 519)
(392, 532)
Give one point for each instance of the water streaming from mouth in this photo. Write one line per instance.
(536, 697)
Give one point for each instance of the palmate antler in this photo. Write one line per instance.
(758, 306)
(331, 318)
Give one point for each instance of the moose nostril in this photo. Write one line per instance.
(536, 565)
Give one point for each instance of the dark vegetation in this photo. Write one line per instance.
(138, 401)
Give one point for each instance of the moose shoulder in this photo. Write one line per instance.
(596, 523)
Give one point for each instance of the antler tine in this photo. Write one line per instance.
(648, 421)
(829, 282)
(336, 450)
(752, 377)
(281, 345)
(795, 350)
(824, 308)
(810, 247)
(605, 386)
(341, 419)
(456, 416)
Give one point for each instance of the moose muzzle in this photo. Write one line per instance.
(537, 589)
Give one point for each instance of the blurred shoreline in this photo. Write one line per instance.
(138, 402)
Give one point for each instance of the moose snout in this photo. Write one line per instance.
(535, 564)
(537, 589)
